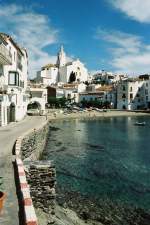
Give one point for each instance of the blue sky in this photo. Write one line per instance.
(105, 34)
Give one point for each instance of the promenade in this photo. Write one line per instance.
(8, 136)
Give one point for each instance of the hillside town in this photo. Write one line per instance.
(64, 83)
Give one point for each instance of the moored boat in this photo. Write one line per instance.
(140, 123)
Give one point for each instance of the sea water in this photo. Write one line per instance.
(104, 158)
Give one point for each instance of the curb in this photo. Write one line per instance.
(26, 200)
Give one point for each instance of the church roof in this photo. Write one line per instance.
(49, 65)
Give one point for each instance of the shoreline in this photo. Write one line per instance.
(72, 208)
(51, 115)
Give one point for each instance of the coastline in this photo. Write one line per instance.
(57, 114)
(82, 211)
(75, 210)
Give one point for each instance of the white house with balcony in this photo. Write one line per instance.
(102, 94)
(133, 94)
(13, 80)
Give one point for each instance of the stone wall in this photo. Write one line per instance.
(41, 177)
(34, 143)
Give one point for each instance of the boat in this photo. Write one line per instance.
(140, 123)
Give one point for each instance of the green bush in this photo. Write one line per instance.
(57, 102)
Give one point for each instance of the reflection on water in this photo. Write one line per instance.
(108, 158)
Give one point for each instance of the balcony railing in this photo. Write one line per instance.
(5, 56)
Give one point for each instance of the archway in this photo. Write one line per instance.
(124, 107)
(34, 107)
(11, 113)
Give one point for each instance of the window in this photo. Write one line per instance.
(14, 56)
(22, 84)
(19, 64)
(131, 96)
(123, 88)
(1, 70)
(123, 96)
(146, 91)
(131, 89)
(137, 95)
(139, 100)
(146, 84)
(13, 78)
(69, 96)
(95, 99)
(147, 98)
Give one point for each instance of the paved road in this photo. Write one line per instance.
(8, 135)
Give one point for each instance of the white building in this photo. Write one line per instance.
(69, 91)
(133, 94)
(103, 77)
(101, 94)
(37, 97)
(63, 71)
(48, 75)
(13, 80)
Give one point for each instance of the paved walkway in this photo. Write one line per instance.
(8, 135)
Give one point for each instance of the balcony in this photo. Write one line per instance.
(5, 55)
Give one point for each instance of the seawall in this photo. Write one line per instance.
(36, 179)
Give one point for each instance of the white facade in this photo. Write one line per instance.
(13, 81)
(76, 70)
(48, 75)
(70, 91)
(133, 94)
(38, 95)
(62, 71)
(101, 96)
(104, 77)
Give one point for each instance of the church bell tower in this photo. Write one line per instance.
(61, 58)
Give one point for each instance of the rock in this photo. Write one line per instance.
(41, 177)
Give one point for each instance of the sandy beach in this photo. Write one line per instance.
(93, 114)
